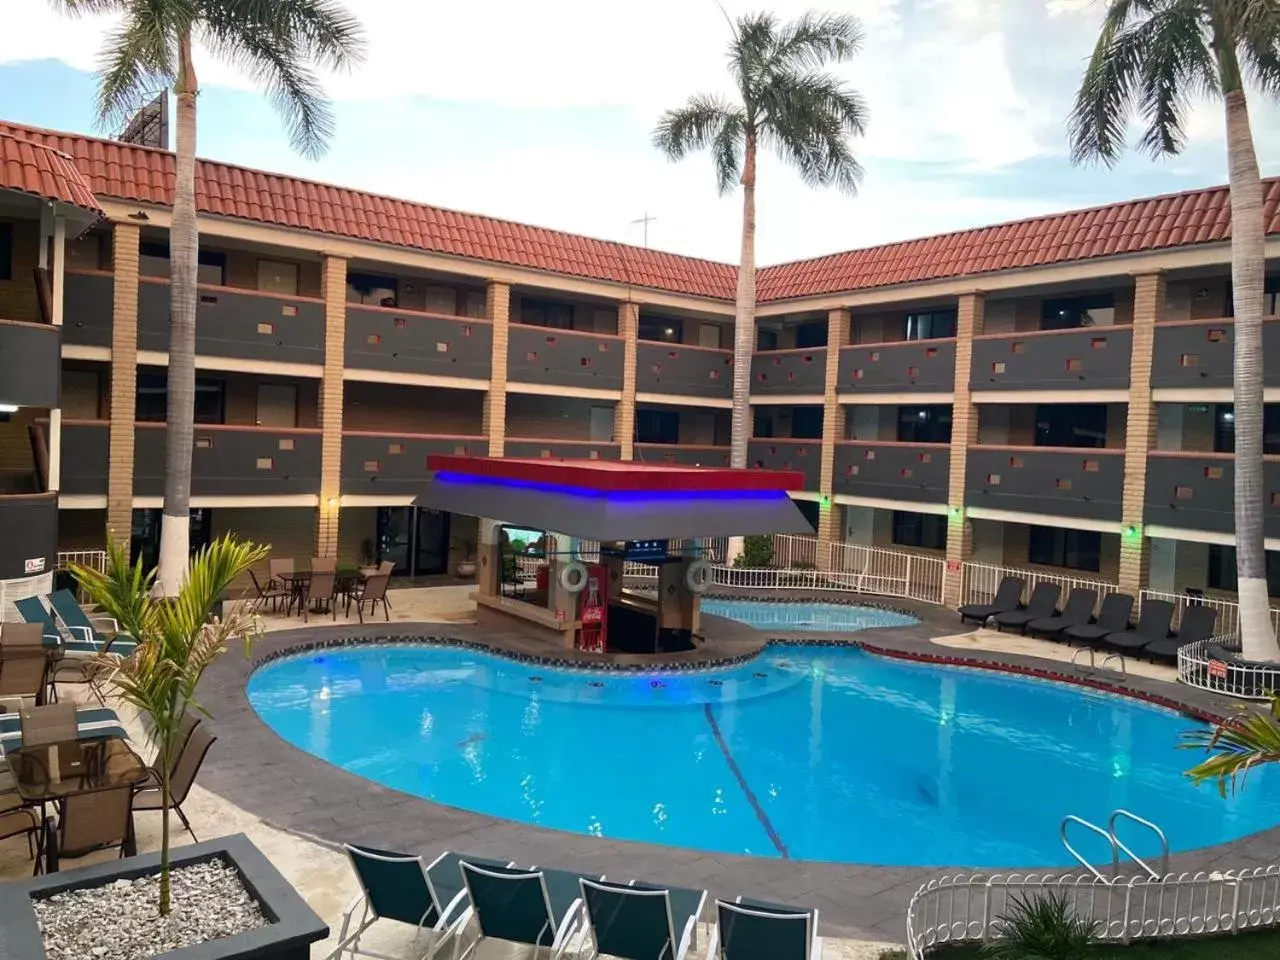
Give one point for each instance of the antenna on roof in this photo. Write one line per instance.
(149, 125)
(646, 220)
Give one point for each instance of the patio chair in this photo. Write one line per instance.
(53, 723)
(404, 888)
(758, 930)
(87, 637)
(32, 610)
(87, 823)
(1007, 597)
(1043, 602)
(183, 775)
(1197, 624)
(1113, 616)
(322, 588)
(372, 591)
(1077, 610)
(80, 667)
(274, 591)
(639, 921)
(536, 907)
(1153, 624)
(17, 821)
(24, 662)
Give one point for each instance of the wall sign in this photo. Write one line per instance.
(33, 565)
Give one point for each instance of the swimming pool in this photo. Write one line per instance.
(805, 615)
(810, 752)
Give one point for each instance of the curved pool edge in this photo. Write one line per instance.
(254, 768)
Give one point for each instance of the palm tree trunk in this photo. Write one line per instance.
(175, 528)
(744, 327)
(1247, 272)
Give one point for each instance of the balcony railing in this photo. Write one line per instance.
(684, 370)
(1089, 358)
(789, 371)
(396, 463)
(891, 367)
(1082, 482)
(30, 363)
(232, 461)
(88, 301)
(1196, 491)
(1202, 353)
(918, 472)
(526, 449)
(382, 338)
(685, 455)
(29, 546)
(85, 456)
(548, 355)
(787, 454)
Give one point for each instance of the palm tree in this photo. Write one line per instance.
(1236, 747)
(1152, 58)
(276, 41)
(788, 103)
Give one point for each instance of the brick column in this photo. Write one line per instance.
(333, 287)
(830, 516)
(497, 307)
(624, 414)
(124, 382)
(964, 434)
(1140, 434)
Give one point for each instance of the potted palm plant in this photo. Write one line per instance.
(466, 567)
(178, 638)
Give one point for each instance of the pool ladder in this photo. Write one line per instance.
(1117, 845)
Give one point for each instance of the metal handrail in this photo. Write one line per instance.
(1110, 838)
(1164, 843)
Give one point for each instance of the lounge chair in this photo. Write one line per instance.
(87, 637)
(1077, 611)
(32, 610)
(1153, 624)
(1007, 597)
(1197, 624)
(1113, 616)
(182, 775)
(400, 887)
(640, 921)
(79, 665)
(536, 907)
(1043, 602)
(758, 930)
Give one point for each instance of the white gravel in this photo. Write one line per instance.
(121, 921)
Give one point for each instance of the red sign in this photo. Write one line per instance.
(559, 615)
(1218, 669)
(593, 610)
(953, 566)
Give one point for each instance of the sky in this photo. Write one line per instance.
(542, 113)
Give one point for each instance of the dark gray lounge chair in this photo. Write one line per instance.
(1113, 616)
(536, 907)
(758, 930)
(1153, 624)
(1197, 624)
(639, 921)
(1044, 600)
(1077, 611)
(1007, 597)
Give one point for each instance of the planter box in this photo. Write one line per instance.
(293, 928)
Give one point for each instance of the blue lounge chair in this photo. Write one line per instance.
(639, 921)
(758, 930)
(86, 636)
(536, 907)
(32, 610)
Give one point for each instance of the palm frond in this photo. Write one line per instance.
(1176, 64)
(140, 54)
(1258, 26)
(808, 120)
(77, 8)
(1100, 116)
(322, 31)
(814, 40)
(1237, 746)
(705, 122)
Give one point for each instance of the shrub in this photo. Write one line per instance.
(757, 551)
(1043, 928)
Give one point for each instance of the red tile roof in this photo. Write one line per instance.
(146, 175)
(34, 168)
(1134, 226)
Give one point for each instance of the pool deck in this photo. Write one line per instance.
(288, 788)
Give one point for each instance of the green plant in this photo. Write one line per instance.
(896, 953)
(178, 637)
(757, 551)
(1043, 927)
(1237, 746)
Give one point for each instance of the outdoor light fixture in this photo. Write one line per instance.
(8, 408)
(333, 501)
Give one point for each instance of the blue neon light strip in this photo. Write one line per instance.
(467, 479)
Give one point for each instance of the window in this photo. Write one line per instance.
(1222, 569)
(153, 261)
(547, 313)
(806, 423)
(811, 335)
(1071, 312)
(153, 399)
(933, 325)
(372, 290)
(664, 329)
(1055, 547)
(1270, 299)
(473, 304)
(928, 530)
(277, 277)
(657, 426)
(1224, 428)
(6, 251)
(930, 424)
(442, 300)
(762, 426)
(766, 339)
(1071, 425)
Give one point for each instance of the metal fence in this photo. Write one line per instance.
(888, 573)
(96, 559)
(1202, 664)
(982, 579)
(953, 909)
(1228, 622)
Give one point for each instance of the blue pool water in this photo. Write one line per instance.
(812, 752)
(819, 617)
